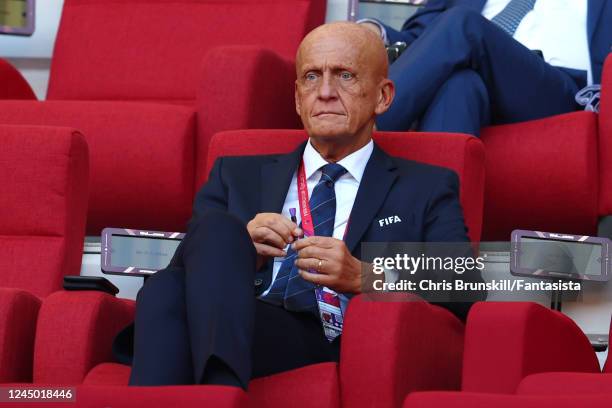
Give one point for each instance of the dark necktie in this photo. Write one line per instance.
(289, 289)
(510, 17)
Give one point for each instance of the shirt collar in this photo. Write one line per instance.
(354, 163)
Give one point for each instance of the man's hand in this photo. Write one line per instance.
(335, 266)
(271, 233)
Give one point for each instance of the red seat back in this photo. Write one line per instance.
(605, 140)
(14, 85)
(542, 175)
(44, 179)
(154, 49)
(463, 154)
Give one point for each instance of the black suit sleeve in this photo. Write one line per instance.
(444, 219)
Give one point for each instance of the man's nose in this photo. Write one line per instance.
(327, 87)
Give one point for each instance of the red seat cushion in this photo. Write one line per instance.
(141, 159)
(463, 154)
(313, 386)
(542, 175)
(108, 374)
(565, 384)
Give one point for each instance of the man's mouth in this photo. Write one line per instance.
(328, 113)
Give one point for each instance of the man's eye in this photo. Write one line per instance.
(310, 77)
(346, 75)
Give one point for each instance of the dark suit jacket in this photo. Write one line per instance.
(599, 28)
(424, 197)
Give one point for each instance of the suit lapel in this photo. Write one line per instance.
(593, 14)
(276, 178)
(378, 178)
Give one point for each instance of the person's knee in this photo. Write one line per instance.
(466, 82)
(461, 18)
(220, 227)
(214, 221)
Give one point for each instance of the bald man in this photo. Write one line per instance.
(243, 297)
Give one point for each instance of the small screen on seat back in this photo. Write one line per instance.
(568, 257)
(139, 252)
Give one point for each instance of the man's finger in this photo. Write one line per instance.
(282, 226)
(317, 265)
(267, 250)
(265, 235)
(316, 278)
(322, 242)
(314, 252)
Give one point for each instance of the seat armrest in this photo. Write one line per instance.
(12, 84)
(505, 342)
(390, 348)
(243, 87)
(75, 332)
(217, 396)
(18, 313)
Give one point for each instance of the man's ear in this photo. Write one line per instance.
(385, 96)
(298, 105)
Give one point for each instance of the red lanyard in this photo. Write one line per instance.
(304, 203)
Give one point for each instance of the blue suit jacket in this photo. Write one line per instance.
(599, 27)
(424, 197)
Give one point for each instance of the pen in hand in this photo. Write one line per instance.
(293, 214)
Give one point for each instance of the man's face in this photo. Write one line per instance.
(337, 88)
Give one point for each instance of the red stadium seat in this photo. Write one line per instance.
(538, 356)
(131, 76)
(552, 174)
(605, 140)
(14, 86)
(507, 341)
(417, 346)
(44, 178)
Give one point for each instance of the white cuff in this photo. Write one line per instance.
(383, 30)
(391, 275)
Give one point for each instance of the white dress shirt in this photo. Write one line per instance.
(556, 27)
(345, 187)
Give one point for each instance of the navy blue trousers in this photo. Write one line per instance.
(200, 315)
(464, 73)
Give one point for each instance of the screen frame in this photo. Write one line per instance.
(515, 255)
(30, 22)
(106, 245)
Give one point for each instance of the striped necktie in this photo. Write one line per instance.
(510, 17)
(289, 289)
